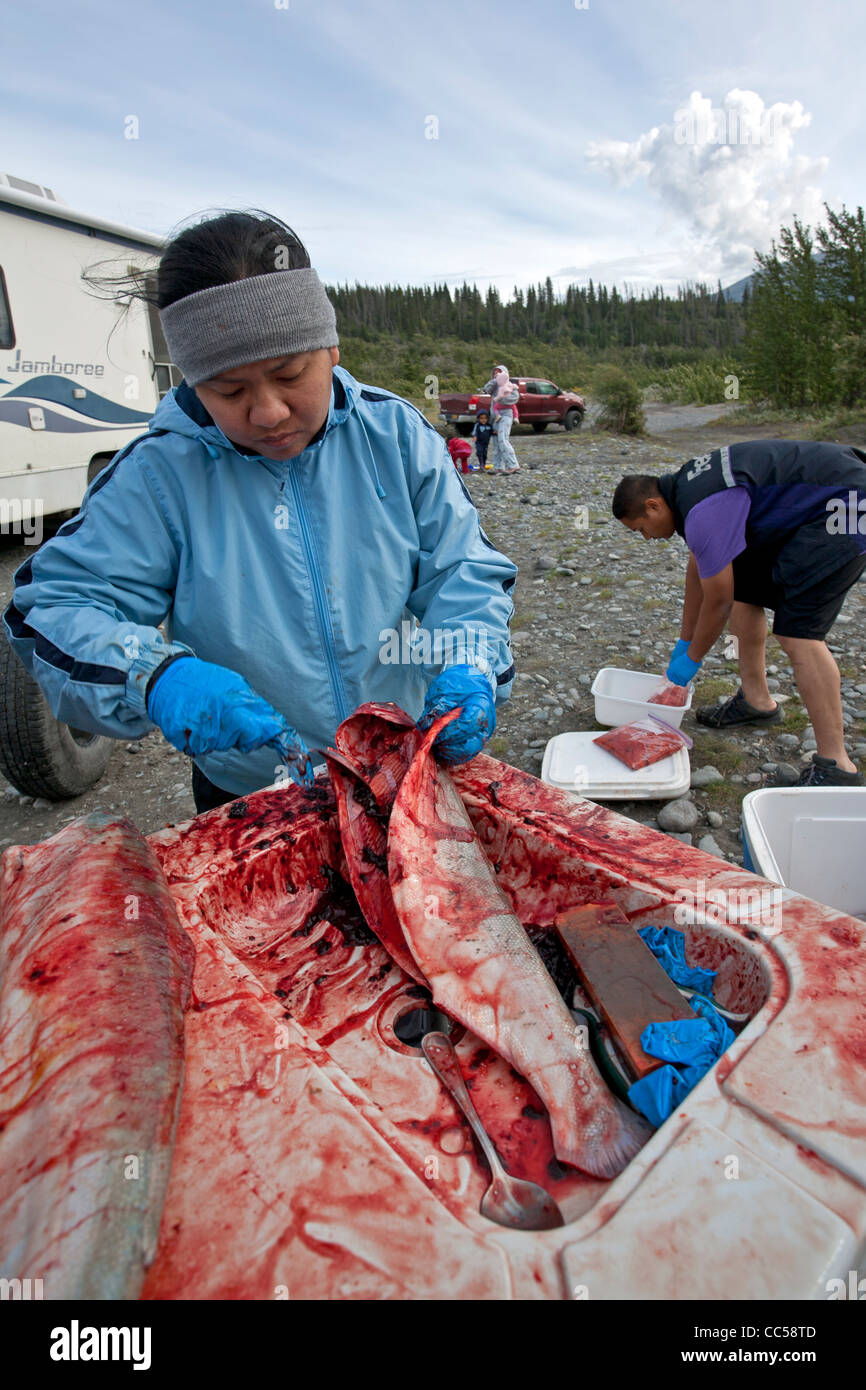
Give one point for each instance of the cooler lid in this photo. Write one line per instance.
(574, 762)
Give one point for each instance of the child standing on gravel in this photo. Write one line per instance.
(481, 433)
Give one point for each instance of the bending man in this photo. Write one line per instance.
(777, 524)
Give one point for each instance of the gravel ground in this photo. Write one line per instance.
(589, 594)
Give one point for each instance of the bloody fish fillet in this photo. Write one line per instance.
(380, 741)
(377, 744)
(669, 694)
(639, 747)
(95, 974)
(484, 971)
(365, 846)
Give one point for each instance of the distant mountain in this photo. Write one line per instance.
(735, 291)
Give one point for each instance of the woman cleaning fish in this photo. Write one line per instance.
(284, 522)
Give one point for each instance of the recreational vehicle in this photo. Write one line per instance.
(80, 376)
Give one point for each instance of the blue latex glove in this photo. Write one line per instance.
(669, 948)
(203, 708)
(694, 1043)
(697, 1042)
(683, 645)
(682, 669)
(466, 736)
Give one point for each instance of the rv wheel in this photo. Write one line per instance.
(39, 755)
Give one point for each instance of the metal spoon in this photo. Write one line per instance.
(508, 1200)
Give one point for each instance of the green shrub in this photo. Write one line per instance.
(700, 383)
(620, 399)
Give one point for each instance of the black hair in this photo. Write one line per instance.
(216, 250)
(632, 494)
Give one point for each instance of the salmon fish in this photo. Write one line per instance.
(376, 746)
(365, 846)
(484, 971)
(95, 975)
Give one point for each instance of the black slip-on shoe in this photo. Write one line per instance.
(735, 710)
(826, 772)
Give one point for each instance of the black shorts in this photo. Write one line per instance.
(809, 612)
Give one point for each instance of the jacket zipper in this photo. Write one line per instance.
(325, 628)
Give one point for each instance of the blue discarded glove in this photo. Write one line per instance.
(682, 669)
(204, 708)
(669, 948)
(466, 736)
(694, 1043)
(683, 645)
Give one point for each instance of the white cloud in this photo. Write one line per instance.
(729, 173)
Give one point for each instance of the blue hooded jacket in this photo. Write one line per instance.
(305, 576)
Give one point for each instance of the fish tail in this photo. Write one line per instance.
(605, 1154)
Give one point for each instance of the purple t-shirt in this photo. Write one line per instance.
(716, 529)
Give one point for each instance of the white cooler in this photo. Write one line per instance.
(810, 839)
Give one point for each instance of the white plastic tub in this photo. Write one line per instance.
(621, 696)
(810, 839)
(573, 763)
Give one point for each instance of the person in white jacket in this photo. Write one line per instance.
(504, 398)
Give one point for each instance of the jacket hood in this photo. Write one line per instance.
(181, 412)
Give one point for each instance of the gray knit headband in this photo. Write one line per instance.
(211, 331)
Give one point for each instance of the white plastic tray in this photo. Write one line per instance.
(621, 696)
(574, 763)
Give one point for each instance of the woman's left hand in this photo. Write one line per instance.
(465, 736)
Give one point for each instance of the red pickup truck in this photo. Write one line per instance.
(541, 403)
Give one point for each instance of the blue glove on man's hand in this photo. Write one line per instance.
(203, 708)
(682, 669)
(466, 736)
(682, 646)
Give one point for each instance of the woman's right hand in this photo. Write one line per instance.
(204, 708)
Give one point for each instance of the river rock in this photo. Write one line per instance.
(705, 776)
(709, 845)
(678, 815)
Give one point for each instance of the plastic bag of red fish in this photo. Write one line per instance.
(669, 694)
(644, 742)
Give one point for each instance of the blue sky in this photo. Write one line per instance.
(562, 148)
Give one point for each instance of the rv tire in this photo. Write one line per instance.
(39, 755)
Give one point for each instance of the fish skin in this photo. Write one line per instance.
(484, 971)
(359, 831)
(91, 1057)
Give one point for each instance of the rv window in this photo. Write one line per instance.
(7, 332)
(166, 377)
